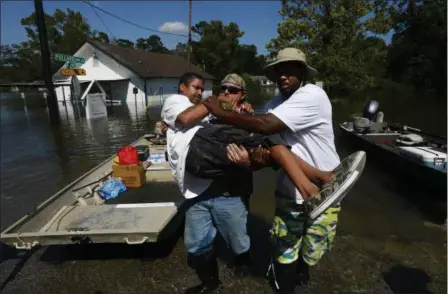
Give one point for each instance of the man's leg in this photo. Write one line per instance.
(286, 239)
(198, 238)
(230, 216)
(313, 174)
(317, 241)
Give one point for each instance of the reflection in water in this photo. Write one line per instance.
(99, 129)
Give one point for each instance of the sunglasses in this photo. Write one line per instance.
(230, 89)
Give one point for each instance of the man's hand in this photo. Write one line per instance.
(260, 157)
(213, 105)
(247, 107)
(160, 128)
(238, 155)
(164, 128)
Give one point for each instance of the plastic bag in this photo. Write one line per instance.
(128, 155)
(111, 188)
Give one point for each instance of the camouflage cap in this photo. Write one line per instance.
(234, 79)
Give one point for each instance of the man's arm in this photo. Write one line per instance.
(286, 160)
(263, 124)
(192, 115)
(259, 158)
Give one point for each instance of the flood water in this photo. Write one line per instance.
(38, 160)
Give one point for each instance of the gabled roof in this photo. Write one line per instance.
(149, 64)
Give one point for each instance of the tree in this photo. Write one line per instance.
(249, 61)
(417, 54)
(153, 44)
(9, 63)
(336, 36)
(124, 43)
(66, 32)
(217, 51)
(181, 50)
(101, 37)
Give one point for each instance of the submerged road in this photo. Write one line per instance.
(389, 240)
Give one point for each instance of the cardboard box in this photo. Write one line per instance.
(133, 175)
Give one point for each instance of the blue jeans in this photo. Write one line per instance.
(226, 214)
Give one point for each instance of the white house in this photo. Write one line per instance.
(118, 70)
(264, 81)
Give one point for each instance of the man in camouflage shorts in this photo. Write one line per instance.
(302, 114)
(296, 239)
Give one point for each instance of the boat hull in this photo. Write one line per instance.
(388, 157)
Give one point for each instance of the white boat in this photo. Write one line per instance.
(76, 214)
(405, 149)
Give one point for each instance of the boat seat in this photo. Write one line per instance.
(379, 117)
(377, 127)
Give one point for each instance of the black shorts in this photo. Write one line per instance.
(207, 155)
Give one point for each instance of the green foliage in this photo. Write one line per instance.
(66, 32)
(417, 54)
(337, 37)
(249, 61)
(153, 44)
(124, 43)
(181, 50)
(217, 51)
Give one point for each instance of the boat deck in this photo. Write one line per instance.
(77, 211)
(112, 217)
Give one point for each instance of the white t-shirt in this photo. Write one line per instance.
(178, 143)
(308, 116)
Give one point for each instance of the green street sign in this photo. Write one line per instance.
(71, 65)
(68, 58)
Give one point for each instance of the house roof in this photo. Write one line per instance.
(149, 64)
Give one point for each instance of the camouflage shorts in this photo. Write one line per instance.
(293, 232)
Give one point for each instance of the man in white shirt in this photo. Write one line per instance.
(303, 117)
(212, 207)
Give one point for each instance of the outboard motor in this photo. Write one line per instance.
(371, 120)
(371, 110)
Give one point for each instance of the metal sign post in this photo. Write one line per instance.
(75, 89)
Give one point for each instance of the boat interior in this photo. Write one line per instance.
(394, 136)
(372, 127)
(77, 213)
(411, 143)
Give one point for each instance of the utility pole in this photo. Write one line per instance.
(52, 102)
(189, 33)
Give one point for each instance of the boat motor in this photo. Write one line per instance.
(371, 110)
